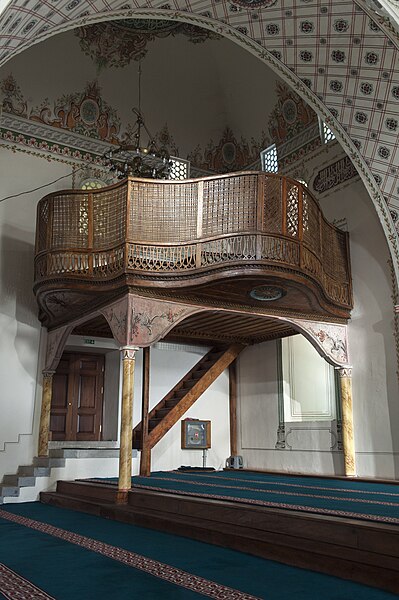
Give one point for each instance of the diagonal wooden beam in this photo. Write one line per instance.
(210, 356)
(145, 457)
(194, 393)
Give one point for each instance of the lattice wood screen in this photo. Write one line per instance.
(70, 221)
(311, 226)
(109, 217)
(164, 226)
(229, 205)
(42, 224)
(273, 207)
(163, 212)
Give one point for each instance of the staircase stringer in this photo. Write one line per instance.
(194, 393)
(176, 387)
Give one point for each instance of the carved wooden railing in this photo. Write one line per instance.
(183, 227)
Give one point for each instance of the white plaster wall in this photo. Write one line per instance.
(259, 421)
(372, 344)
(19, 326)
(372, 354)
(169, 363)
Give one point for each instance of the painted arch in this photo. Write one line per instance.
(339, 55)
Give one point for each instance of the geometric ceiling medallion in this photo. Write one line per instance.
(254, 3)
(267, 293)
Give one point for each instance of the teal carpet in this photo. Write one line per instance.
(66, 571)
(341, 498)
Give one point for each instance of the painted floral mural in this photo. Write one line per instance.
(116, 43)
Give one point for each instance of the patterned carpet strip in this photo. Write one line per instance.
(350, 499)
(53, 553)
(163, 571)
(14, 586)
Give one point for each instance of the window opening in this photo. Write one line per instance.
(269, 159)
(180, 168)
(325, 132)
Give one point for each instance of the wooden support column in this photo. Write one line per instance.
(233, 407)
(345, 381)
(125, 451)
(145, 459)
(44, 428)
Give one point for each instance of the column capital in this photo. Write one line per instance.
(48, 374)
(344, 371)
(128, 352)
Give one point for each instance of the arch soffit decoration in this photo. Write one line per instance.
(376, 52)
(134, 321)
(138, 322)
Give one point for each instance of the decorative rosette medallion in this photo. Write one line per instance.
(255, 3)
(267, 293)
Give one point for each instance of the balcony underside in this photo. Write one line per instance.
(209, 327)
(61, 301)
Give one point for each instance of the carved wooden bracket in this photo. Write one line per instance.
(56, 340)
(329, 339)
(138, 321)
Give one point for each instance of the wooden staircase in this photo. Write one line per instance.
(180, 398)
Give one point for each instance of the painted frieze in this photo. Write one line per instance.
(228, 154)
(334, 175)
(85, 113)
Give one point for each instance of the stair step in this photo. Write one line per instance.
(19, 481)
(153, 423)
(169, 404)
(162, 412)
(187, 385)
(10, 491)
(44, 461)
(198, 374)
(32, 471)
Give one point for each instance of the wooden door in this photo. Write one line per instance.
(76, 406)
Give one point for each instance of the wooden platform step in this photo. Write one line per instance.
(351, 549)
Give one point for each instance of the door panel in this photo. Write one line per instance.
(87, 391)
(59, 400)
(76, 408)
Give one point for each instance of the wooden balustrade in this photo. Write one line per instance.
(186, 227)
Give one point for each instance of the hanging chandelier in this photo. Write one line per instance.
(136, 157)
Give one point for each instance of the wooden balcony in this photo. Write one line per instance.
(216, 239)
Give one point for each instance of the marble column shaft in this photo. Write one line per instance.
(125, 452)
(44, 428)
(348, 441)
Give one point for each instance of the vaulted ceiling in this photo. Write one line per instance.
(339, 55)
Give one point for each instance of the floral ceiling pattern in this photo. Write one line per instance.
(228, 154)
(290, 116)
(116, 43)
(88, 114)
(85, 113)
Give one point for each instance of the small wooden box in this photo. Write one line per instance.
(195, 434)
